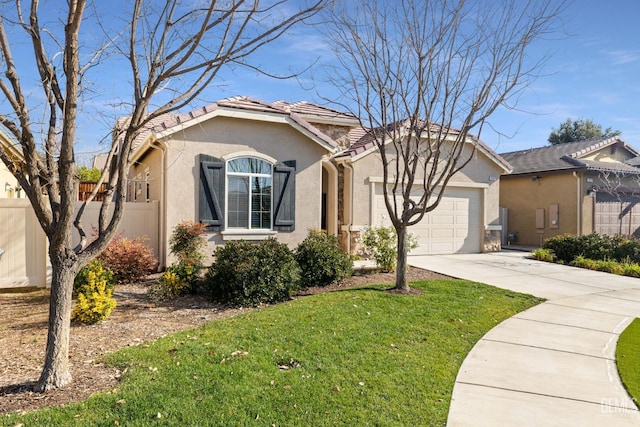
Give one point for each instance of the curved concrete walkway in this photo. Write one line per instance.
(554, 364)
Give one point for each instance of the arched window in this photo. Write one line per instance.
(245, 193)
(249, 195)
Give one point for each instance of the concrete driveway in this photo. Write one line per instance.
(554, 364)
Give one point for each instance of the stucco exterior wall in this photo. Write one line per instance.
(7, 178)
(522, 195)
(481, 172)
(224, 137)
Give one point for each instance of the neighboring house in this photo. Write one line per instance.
(9, 188)
(576, 188)
(251, 170)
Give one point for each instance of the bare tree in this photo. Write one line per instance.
(422, 76)
(174, 50)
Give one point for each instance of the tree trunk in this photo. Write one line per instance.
(56, 372)
(401, 264)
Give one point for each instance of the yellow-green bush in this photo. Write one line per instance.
(543, 255)
(95, 303)
(81, 283)
(170, 285)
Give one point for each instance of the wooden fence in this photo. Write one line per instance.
(25, 261)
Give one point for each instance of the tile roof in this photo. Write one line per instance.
(568, 156)
(362, 141)
(172, 121)
(309, 110)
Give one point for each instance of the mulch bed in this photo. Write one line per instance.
(136, 320)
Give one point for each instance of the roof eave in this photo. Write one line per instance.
(240, 113)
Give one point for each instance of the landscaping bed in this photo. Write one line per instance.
(135, 320)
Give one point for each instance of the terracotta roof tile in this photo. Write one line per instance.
(295, 111)
(307, 109)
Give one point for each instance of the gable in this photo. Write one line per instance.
(363, 144)
(611, 154)
(241, 108)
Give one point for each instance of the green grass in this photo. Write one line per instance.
(628, 359)
(352, 357)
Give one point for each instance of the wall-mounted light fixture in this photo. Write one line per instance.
(592, 191)
(535, 178)
(7, 187)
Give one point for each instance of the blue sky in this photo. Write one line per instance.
(593, 73)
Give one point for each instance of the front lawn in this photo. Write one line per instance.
(628, 359)
(352, 357)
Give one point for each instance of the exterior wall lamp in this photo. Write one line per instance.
(7, 187)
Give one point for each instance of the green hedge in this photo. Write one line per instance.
(594, 246)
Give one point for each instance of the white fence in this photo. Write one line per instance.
(25, 260)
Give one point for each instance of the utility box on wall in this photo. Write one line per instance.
(539, 218)
(554, 216)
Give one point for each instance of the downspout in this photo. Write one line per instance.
(350, 224)
(163, 202)
(578, 204)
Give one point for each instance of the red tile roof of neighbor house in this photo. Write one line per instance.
(569, 156)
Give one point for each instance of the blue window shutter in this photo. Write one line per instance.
(211, 194)
(284, 193)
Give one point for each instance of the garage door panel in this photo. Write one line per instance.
(617, 214)
(442, 233)
(454, 226)
(442, 219)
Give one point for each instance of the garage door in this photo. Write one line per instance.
(617, 214)
(453, 227)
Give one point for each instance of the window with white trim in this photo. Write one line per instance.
(249, 201)
(246, 193)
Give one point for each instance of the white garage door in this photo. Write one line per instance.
(453, 227)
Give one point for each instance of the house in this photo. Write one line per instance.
(576, 188)
(9, 188)
(252, 170)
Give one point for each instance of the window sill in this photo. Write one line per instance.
(247, 234)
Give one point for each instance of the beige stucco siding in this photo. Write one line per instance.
(480, 177)
(226, 138)
(480, 172)
(522, 195)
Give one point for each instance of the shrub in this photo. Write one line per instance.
(609, 266)
(95, 302)
(383, 244)
(247, 274)
(631, 269)
(565, 247)
(187, 242)
(594, 246)
(170, 285)
(543, 255)
(82, 285)
(130, 260)
(626, 249)
(583, 262)
(321, 260)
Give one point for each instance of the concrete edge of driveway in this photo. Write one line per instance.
(553, 364)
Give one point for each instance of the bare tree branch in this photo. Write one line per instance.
(174, 52)
(422, 77)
